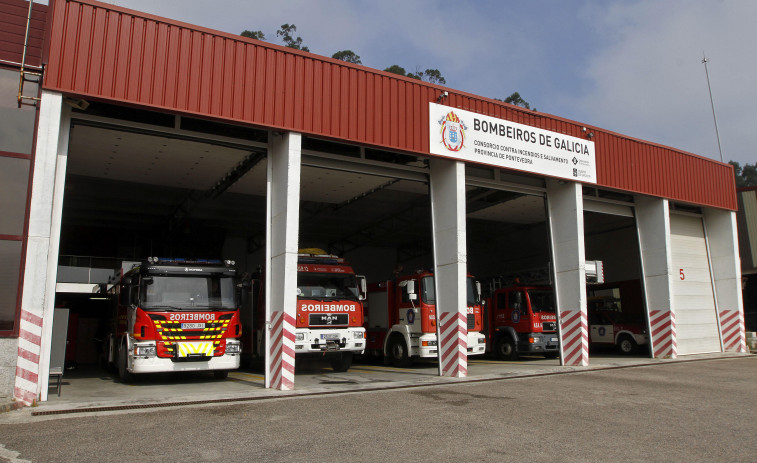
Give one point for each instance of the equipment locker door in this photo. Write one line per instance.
(696, 318)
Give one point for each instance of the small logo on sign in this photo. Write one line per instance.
(452, 131)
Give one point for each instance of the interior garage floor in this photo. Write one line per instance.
(94, 390)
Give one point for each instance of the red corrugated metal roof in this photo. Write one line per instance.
(13, 31)
(104, 52)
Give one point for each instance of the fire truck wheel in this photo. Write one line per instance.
(221, 374)
(398, 352)
(505, 348)
(123, 373)
(341, 361)
(626, 345)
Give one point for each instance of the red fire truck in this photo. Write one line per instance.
(521, 318)
(329, 316)
(402, 325)
(174, 315)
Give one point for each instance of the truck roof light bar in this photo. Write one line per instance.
(181, 260)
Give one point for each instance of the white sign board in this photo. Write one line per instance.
(473, 137)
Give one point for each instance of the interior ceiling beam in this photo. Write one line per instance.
(182, 212)
(364, 194)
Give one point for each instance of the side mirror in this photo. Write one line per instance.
(362, 287)
(478, 292)
(410, 288)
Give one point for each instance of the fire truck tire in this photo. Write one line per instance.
(398, 353)
(341, 361)
(123, 373)
(627, 345)
(221, 374)
(505, 348)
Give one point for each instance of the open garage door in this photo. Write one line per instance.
(616, 310)
(509, 253)
(696, 321)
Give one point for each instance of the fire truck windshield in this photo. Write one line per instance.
(428, 294)
(188, 292)
(326, 285)
(542, 300)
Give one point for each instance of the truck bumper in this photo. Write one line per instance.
(542, 342)
(308, 341)
(159, 364)
(476, 345)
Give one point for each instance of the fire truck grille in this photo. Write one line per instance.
(172, 331)
(471, 321)
(329, 319)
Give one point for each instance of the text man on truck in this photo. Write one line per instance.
(174, 315)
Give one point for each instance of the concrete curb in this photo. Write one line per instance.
(11, 406)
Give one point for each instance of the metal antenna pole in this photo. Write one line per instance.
(717, 134)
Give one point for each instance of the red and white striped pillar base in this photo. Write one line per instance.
(282, 351)
(663, 335)
(575, 338)
(29, 350)
(733, 331)
(453, 345)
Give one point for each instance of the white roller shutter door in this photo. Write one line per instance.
(696, 321)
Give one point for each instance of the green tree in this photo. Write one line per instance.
(258, 35)
(396, 69)
(745, 176)
(516, 100)
(286, 32)
(433, 76)
(348, 56)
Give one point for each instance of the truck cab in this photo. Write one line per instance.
(402, 318)
(174, 314)
(522, 319)
(329, 310)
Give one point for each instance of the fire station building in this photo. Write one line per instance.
(124, 135)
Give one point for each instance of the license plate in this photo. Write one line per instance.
(553, 339)
(330, 336)
(193, 326)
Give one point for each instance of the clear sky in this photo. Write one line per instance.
(629, 66)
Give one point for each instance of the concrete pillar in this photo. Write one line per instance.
(450, 265)
(282, 234)
(653, 226)
(566, 222)
(40, 273)
(723, 244)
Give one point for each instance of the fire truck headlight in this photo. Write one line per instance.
(233, 347)
(428, 343)
(299, 337)
(357, 335)
(482, 340)
(534, 340)
(144, 351)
